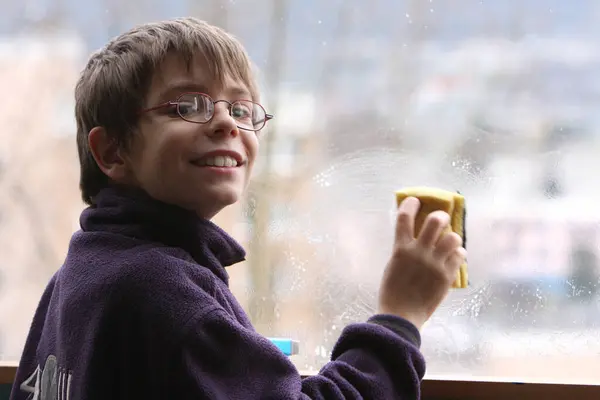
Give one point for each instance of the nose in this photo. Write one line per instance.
(222, 122)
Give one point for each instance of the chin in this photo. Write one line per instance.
(227, 195)
(212, 203)
(228, 199)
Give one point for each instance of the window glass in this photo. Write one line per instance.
(496, 99)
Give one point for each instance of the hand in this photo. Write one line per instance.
(421, 270)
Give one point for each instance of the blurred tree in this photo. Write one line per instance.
(476, 147)
(331, 62)
(584, 274)
(552, 141)
(264, 188)
(405, 55)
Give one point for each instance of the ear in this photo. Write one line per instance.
(107, 154)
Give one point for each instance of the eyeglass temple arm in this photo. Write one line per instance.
(158, 107)
(267, 118)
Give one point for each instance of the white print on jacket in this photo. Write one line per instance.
(48, 383)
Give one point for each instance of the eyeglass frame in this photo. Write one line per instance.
(176, 102)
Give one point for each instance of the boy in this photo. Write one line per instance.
(168, 121)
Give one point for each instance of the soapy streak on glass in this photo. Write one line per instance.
(513, 311)
(471, 96)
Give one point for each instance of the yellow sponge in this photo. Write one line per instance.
(433, 199)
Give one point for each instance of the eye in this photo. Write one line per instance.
(187, 107)
(242, 110)
(171, 110)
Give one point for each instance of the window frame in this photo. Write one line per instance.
(8, 370)
(451, 389)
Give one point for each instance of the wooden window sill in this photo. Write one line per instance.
(435, 388)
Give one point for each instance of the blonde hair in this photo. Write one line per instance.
(113, 85)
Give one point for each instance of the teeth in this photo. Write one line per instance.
(220, 161)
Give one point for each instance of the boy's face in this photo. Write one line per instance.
(168, 156)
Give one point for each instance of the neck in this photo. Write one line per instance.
(131, 212)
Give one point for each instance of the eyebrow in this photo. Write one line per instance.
(175, 89)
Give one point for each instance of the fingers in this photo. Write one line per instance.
(456, 259)
(433, 227)
(449, 251)
(447, 245)
(405, 224)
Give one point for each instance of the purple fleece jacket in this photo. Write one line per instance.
(141, 309)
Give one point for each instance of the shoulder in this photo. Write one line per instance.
(124, 260)
(154, 270)
(149, 278)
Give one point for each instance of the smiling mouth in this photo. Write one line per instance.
(218, 161)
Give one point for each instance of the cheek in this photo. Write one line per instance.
(252, 146)
(134, 161)
(157, 161)
(170, 147)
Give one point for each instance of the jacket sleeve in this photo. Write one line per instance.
(379, 359)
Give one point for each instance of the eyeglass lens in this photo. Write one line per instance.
(195, 107)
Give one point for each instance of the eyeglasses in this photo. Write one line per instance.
(199, 108)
